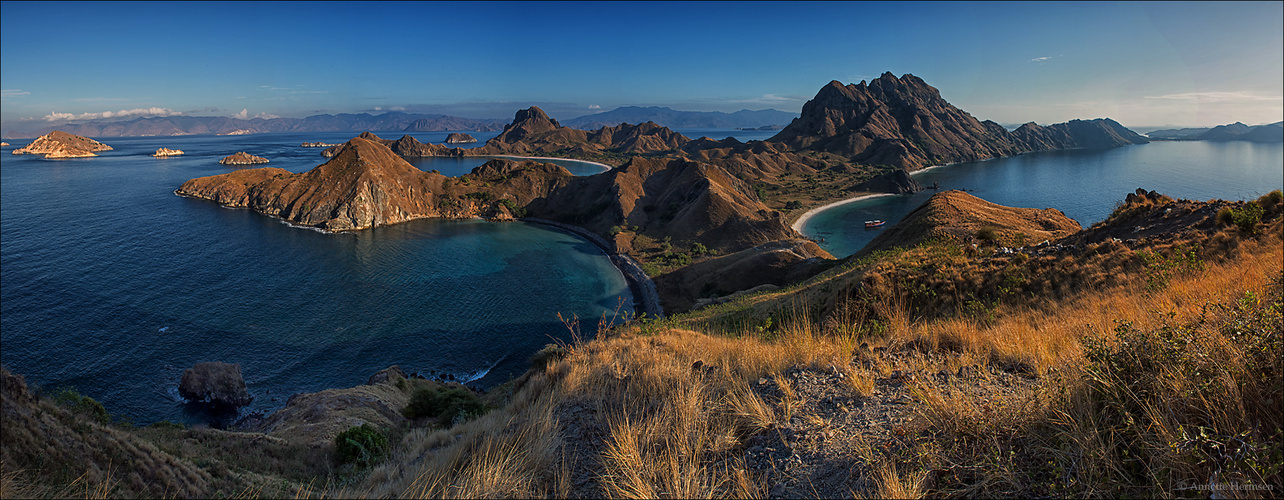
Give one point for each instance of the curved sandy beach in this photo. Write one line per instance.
(798, 224)
(604, 166)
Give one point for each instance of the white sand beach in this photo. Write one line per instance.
(604, 166)
(798, 224)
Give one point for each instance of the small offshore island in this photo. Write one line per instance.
(166, 152)
(58, 144)
(243, 158)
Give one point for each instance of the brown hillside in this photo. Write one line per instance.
(963, 218)
(904, 122)
(777, 263)
(365, 185)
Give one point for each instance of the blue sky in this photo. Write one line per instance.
(1143, 64)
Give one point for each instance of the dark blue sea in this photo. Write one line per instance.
(112, 284)
(1085, 185)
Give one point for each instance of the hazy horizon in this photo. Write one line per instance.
(1145, 65)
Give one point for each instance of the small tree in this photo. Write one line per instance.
(362, 445)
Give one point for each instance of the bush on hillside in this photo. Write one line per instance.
(447, 404)
(362, 446)
(76, 402)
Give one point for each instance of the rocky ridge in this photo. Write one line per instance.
(59, 144)
(904, 122)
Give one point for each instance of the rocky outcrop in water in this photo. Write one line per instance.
(239, 131)
(58, 144)
(215, 383)
(458, 138)
(243, 158)
(318, 145)
(165, 152)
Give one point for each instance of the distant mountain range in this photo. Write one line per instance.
(1273, 132)
(194, 125)
(670, 118)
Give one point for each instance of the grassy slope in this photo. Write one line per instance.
(1153, 369)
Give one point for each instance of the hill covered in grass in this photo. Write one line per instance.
(1077, 368)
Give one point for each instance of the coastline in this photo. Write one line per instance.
(798, 224)
(646, 299)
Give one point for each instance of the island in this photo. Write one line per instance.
(239, 131)
(166, 152)
(59, 144)
(458, 138)
(319, 145)
(243, 158)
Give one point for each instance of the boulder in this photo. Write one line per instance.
(215, 383)
(390, 373)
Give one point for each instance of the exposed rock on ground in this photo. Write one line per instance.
(243, 158)
(216, 383)
(163, 152)
(316, 418)
(58, 144)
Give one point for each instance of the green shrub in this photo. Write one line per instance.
(512, 207)
(1247, 218)
(76, 402)
(166, 424)
(363, 445)
(987, 233)
(448, 404)
(793, 205)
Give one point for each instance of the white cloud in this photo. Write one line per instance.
(1217, 97)
(265, 116)
(1041, 59)
(124, 113)
(594, 106)
(7, 93)
(244, 114)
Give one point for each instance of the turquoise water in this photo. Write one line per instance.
(114, 285)
(1085, 185)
